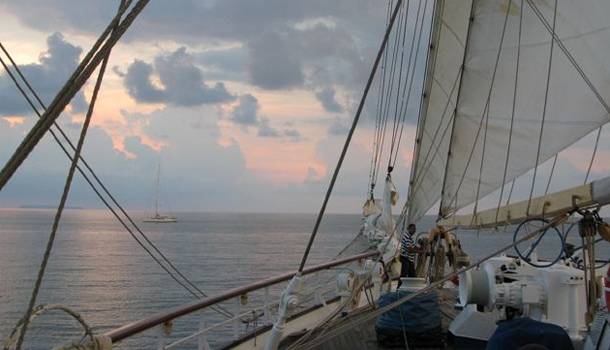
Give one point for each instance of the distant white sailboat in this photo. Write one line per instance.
(158, 218)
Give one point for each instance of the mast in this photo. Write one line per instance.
(157, 190)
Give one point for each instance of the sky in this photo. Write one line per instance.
(244, 105)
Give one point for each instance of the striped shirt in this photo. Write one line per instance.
(407, 245)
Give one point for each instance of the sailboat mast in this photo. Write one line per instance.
(157, 190)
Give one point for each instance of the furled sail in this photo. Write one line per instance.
(508, 120)
(434, 128)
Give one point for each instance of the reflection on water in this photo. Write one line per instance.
(97, 269)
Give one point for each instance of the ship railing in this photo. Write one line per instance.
(253, 307)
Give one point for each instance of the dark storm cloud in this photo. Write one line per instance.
(46, 77)
(182, 82)
(326, 97)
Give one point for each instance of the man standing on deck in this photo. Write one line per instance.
(408, 249)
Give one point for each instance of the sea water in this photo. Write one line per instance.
(97, 268)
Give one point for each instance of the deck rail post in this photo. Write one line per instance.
(164, 330)
(266, 306)
(237, 318)
(203, 337)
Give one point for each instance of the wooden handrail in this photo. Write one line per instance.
(130, 329)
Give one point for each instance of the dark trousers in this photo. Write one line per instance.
(407, 268)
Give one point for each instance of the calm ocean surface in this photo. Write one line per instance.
(98, 270)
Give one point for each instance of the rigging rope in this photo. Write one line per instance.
(400, 70)
(599, 132)
(406, 96)
(349, 137)
(544, 110)
(388, 97)
(104, 188)
(512, 116)
(74, 84)
(64, 196)
(380, 97)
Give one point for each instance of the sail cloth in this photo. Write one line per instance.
(482, 124)
(449, 34)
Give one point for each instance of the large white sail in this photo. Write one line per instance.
(442, 83)
(575, 104)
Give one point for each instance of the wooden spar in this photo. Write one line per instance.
(585, 196)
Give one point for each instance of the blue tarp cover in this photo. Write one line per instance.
(518, 332)
(419, 314)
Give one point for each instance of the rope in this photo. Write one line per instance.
(544, 109)
(512, 116)
(104, 188)
(599, 132)
(373, 169)
(486, 108)
(404, 104)
(548, 184)
(389, 92)
(348, 139)
(400, 70)
(39, 310)
(64, 198)
(67, 92)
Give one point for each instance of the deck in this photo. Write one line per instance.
(363, 336)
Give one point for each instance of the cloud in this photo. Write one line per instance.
(182, 82)
(273, 65)
(246, 114)
(326, 97)
(224, 63)
(246, 111)
(47, 77)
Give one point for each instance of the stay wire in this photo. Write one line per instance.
(406, 96)
(373, 170)
(512, 116)
(349, 137)
(405, 100)
(599, 132)
(403, 32)
(544, 109)
(388, 98)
